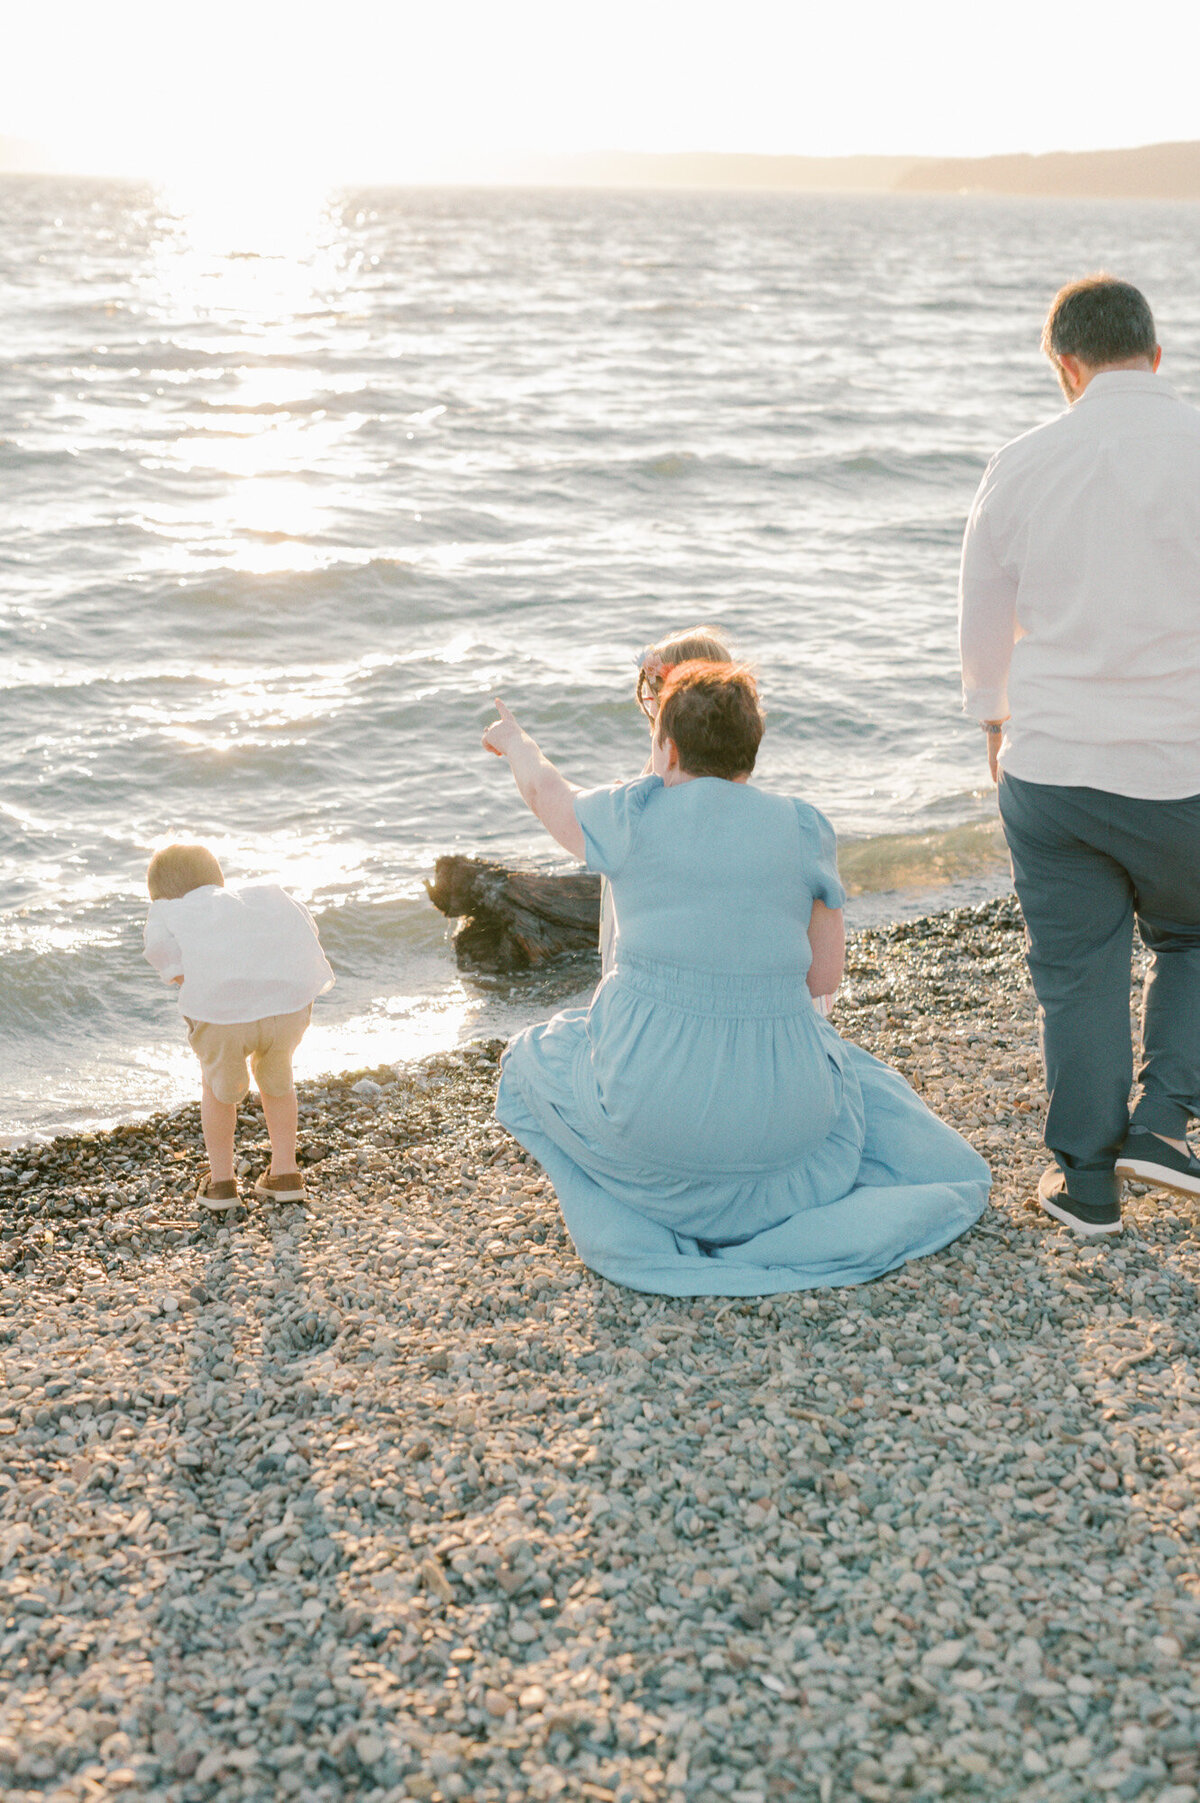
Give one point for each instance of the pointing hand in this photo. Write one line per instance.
(502, 734)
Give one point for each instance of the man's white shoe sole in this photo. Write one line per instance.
(1144, 1170)
(1090, 1230)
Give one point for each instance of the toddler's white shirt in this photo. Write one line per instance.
(243, 953)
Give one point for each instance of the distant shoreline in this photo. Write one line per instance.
(1148, 172)
(1169, 171)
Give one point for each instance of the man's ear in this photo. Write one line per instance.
(1157, 358)
(1072, 369)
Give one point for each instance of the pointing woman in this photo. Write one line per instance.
(706, 1130)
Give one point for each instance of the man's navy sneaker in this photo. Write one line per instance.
(1092, 1219)
(1148, 1159)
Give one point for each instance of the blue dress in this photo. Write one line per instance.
(707, 1131)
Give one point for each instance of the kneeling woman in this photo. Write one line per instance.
(707, 1132)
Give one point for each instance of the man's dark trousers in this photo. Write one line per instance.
(1085, 863)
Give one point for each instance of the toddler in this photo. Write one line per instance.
(249, 966)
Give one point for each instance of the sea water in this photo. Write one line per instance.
(293, 484)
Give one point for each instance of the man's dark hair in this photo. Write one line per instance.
(1099, 320)
(712, 713)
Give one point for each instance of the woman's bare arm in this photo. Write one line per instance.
(543, 788)
(827, 937)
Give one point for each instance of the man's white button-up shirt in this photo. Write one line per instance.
(1080, 594)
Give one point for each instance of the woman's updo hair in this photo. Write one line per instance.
(712, 714)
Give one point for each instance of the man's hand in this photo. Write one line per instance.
(994, 730)
(503, 733)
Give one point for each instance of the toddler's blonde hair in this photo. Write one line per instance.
(178, 869)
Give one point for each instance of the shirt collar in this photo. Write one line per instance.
(1126, 381)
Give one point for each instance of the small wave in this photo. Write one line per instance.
(922, 861)
(44, 991)
(17, 456)
(949, 303)
(916, 466)
(249, 409)
(344, 404)
(359, 936)
(679, 463)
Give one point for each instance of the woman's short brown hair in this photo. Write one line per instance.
(178, 869)
(712, 714)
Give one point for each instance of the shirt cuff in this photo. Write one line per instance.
(985, 704)
(168, 967)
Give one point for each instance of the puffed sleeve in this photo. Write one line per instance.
(161, 947)
(819, 852)
(609, 818)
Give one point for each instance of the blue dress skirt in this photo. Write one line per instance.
(706, 1131)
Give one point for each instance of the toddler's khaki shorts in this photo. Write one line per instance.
(268, 1044)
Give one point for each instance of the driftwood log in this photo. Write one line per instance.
(512, 919)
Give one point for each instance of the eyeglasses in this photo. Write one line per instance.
(648, 685)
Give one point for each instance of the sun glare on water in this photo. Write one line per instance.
(266, 211)
(246, 259)
(248, 244)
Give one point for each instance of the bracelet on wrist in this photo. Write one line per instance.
(991, 726)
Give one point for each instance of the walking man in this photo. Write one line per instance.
(1080, 641)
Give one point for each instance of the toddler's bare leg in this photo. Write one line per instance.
(218, 1120)
(281, 1125)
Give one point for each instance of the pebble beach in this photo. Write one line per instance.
(387, 1497)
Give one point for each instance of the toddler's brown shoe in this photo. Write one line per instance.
(218, 1198)
(286, 1186)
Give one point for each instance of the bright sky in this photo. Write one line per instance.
(392, 90)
